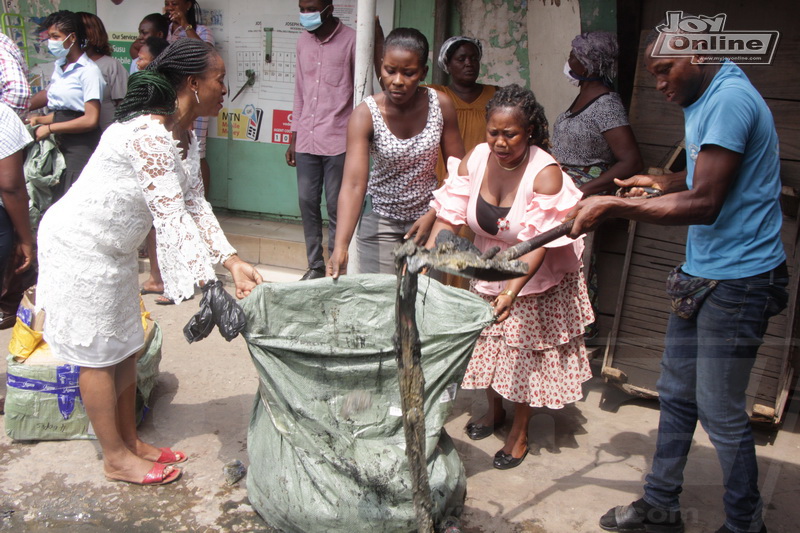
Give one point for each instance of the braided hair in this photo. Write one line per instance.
(528, 109)
(67, 22)
(154, 90)
(194, 15)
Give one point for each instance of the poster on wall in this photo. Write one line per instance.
(258, 40)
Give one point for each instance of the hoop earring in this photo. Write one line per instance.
(196, 96)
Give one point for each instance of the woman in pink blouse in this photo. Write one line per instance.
(508, 190)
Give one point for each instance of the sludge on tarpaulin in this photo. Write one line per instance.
(318, 460)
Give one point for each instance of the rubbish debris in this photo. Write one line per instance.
(234, 471)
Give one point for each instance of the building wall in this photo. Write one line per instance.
(501, 25)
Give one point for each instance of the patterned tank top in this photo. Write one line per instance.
(403, 172)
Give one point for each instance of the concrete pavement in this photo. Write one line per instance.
(584, 459)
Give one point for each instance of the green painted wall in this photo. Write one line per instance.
(599, 15)
(252, 177)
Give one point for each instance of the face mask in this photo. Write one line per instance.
(312, 21)
(569, 76)
(57, 47)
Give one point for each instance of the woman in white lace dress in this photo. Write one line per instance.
(144, 172)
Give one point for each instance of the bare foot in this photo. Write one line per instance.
(152, 453)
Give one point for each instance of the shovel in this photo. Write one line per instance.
(458, 256)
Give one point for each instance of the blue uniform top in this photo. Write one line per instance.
(745, 238)
(72, 87)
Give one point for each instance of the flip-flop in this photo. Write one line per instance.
(169, 457)
(144, 291)
(168, 301)
(158, 475)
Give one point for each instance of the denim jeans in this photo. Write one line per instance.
(314, 171)
(704, 375)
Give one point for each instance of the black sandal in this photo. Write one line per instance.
(504, 461)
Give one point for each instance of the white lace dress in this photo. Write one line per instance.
(88, 241)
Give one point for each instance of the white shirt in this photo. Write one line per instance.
(72, 87)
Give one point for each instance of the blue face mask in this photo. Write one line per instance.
(57, 47)
(312, 21)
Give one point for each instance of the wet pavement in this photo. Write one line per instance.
(584, 459)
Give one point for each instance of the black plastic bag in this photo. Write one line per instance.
(219, 308)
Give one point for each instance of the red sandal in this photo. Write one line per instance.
(169, 457)
(158, 475)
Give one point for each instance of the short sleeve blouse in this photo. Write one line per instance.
(72, 87)
(578, 137)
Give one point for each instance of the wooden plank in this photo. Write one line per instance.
(654, 155)
(787, 121)
(782, 78)
(653, 119)
(663, 233)
(790, 173)
(608, 358)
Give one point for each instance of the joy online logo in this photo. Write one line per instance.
(687, 36)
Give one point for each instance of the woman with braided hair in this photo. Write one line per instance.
(508, 190)
(144, 172)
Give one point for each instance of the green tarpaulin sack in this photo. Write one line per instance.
(326, 441)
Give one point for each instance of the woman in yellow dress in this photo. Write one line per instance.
(460, 57)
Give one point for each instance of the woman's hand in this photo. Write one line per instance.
(178, 17)
(245, 276)
(337, 264)
(42, 132)
(422, 228)
(502, 306)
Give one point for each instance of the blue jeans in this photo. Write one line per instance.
(314, 171)
(704, 374)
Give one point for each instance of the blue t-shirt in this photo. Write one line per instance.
(745, 239)
(72, 87)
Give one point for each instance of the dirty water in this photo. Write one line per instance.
(54, 504)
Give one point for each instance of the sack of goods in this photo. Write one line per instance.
(326, 442)
(43, 400)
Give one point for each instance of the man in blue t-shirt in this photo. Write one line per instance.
(729, 195)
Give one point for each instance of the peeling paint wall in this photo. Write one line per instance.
(502, 27)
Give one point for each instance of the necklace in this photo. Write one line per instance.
(515, 167)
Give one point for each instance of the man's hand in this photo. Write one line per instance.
(590, 212)
(23, 257)
(290, 156)
(337, 264)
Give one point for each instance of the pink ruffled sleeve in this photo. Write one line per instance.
(546, 211)
(452, 198)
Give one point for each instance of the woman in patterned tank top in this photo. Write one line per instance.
(401, 129)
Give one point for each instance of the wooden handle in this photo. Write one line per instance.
(518, 250)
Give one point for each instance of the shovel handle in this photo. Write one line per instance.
(518, 250)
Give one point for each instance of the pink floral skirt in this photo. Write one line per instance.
(537, 355)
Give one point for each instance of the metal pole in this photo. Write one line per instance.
(365, 44)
